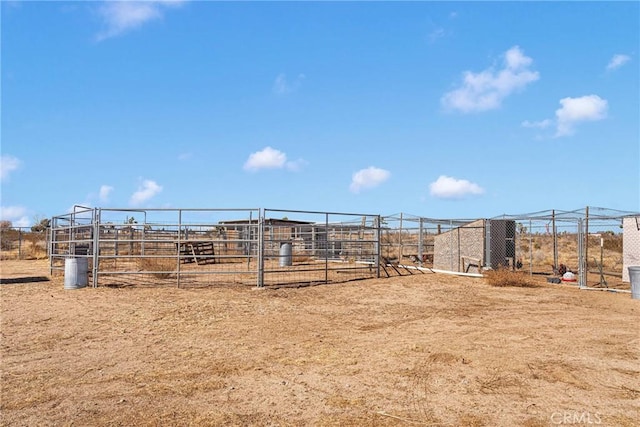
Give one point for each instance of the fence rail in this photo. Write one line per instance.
(267, 247)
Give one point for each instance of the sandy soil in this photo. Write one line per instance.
(432, 350)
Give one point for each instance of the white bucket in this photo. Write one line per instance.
(634, 277)
(75, 273)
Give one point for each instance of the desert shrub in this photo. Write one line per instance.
(162, 268)
(9, 238)
(613, 243)
(35, 250)
(504, 277)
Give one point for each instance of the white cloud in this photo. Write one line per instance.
(268, 158)
(281, 86)
(575, 110)
(184, 156)
(146, 191)
(486, 90)
(122, 16)
(16, 214)
(368, 178)
(105, 191)
(446, 187)
(542, 124)
(8, 164)
(617, 61)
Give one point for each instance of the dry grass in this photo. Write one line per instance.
(418, 350)
(161, 268)
(505, 277)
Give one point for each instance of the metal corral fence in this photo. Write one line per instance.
(202, 247)
(266, 247)
(586, 243)
(23, 243)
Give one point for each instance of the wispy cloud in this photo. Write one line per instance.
(283, 86)
(368, 178)
(146, 190)
(438, 31)
(105, 191)
(296, 165)
(17, 215)
(576, 110)
(184, 156)
(542, 124)
(122, 16)
(270, 158)
(435, 34)
(8, 164)
(487, 89)
(617, 61)
(446, 187)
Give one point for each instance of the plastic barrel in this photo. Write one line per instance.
(75, 273)
(285, 255)
(634, 277)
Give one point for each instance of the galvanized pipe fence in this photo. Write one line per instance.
(202, 247)
(269, 247)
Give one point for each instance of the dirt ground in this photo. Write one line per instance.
(432, 349)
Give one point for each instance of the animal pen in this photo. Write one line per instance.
(201, 247)
(587, 242)
(272, 247)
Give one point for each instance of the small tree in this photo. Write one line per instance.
(41, 225)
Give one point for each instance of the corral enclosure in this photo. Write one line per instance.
(586, 242)
(415, 349)
(263, 247)
(199, 247)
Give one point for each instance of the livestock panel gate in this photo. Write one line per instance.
(160, 247)
(204, 247)
(306, 247)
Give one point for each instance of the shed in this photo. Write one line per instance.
(479, 244)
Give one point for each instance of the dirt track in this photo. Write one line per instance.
(420, 350)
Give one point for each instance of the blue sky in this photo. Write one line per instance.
(436, 109)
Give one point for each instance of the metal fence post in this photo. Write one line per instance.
(260, 278)
(420, 242)
(487, 243)
(377, 245)
(582, 282)
(96, 247)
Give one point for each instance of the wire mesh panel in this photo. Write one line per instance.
(72, 236)
(547, 243)
(268, 247)
(603, 247)
(22, 242)
(162, 247)
(302, 247)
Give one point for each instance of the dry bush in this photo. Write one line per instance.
(302, 258)
(35, 250)
(503, 277)
(162, 268)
